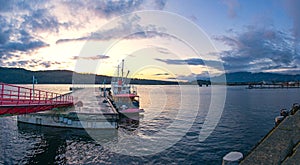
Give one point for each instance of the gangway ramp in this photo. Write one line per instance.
(16, 100)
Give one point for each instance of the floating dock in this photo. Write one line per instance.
(280, 146)
(92, 111)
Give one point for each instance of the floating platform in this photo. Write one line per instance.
(93, 111)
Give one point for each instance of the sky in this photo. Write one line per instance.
(158, 39)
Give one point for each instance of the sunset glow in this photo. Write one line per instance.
(94, 36)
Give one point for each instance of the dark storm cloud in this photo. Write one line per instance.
(257, 49)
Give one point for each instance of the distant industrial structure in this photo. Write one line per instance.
(271, 85)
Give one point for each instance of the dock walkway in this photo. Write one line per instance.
(280, 146)
(15, 100)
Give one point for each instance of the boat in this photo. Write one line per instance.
(124, 96)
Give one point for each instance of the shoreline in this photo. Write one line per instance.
(280, 146)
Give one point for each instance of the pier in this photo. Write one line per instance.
(280, 146)
(269, 85)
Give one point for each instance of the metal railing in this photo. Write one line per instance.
(17, 95)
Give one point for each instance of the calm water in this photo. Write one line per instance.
(248, 115)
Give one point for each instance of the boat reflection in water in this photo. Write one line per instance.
(59, 145)
(129, 122)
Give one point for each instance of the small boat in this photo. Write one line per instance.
(123, 95)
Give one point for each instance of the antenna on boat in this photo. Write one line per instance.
(118, 70)
(127, 73)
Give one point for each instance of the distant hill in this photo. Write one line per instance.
(23, 76)
(246, 77)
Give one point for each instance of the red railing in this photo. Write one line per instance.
(17, 95)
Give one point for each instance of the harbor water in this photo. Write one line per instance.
(248, 115)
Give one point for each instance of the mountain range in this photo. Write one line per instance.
(23, 76)
(248, 77)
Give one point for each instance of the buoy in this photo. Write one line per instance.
(232, 158)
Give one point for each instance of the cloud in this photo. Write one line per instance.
(5, 6)
(163, 50)
(232, 5)
(193, 76)
(15, 38)
(108, 8)
(258, 49)
(161, 74)
(19, 46)
(41, 20)
(105, 9)
(46, 64)
(192, 61)
(292, 7)
(128, 27)
(31, 63)
(97, 57)
(22, 22)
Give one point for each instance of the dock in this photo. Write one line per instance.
(280, 146)
(91, 111)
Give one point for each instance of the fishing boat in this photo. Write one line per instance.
(123, 95)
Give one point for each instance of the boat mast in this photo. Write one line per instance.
(118, 70)
(122, 69)
(127, 74)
